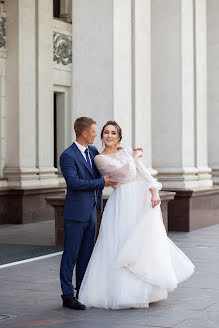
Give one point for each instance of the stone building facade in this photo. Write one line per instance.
(152, 65)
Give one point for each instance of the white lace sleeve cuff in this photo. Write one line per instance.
(156, 185)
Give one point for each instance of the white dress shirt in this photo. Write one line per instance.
(82, 150)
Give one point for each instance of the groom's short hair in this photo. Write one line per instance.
(82, 124)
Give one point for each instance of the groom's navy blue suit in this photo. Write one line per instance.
(84, 194)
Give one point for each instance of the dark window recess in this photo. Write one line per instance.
(56, 8)
(55, 132)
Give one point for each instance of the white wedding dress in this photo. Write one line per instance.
(133, 263)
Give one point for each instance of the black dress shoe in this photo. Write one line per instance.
(72, 303)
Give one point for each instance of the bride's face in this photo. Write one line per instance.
(110, 136)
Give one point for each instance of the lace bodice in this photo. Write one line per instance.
(124, 168)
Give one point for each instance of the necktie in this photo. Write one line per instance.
(89, 163)
(87, 158)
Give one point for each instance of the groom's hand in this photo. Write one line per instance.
(109, 182)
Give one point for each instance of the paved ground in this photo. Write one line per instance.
(30, 294)
(12, 253)
(41, 233)
(24, 241)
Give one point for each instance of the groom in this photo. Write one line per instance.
(84, 196)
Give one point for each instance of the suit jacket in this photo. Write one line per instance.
(84, 185)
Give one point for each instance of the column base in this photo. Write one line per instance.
(187, 178)
(48, 176)
(27, 204)
(21, 177)
(31, 177)
(215, 175)
(3, 183)
(205, 177)
(178, 178)
(193, 209)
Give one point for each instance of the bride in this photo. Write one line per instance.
(133, 263)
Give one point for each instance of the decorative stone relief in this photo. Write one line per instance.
(2, 32)
(62, 49)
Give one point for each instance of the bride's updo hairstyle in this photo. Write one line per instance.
(119, 130)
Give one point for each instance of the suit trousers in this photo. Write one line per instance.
(78, 246)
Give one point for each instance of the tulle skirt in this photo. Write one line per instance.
(133, 263)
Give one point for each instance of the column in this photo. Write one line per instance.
(103, 63)
(122, 66)
(45, 117)
(92, 61)
(112, 67)
(20, 164)
(213, 82)
(141, 78)
(204, 172)
(173, 135)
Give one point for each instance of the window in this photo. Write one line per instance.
(62, 9)
(56, 8)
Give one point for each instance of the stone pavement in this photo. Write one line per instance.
(40, 233)
(22, 241)
(30, 294)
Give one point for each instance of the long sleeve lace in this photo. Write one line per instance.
(120, 166)
(144, 174)
(123, 168)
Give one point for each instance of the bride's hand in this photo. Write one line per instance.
(137, 153)
(138, 149)
(155, 198)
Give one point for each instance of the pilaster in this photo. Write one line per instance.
(141, 78)
(45, 110)
(111, 67)
(201, 119)
(213, 82)
(20, 163)
(173, 119)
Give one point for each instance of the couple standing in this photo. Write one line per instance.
(133, 262)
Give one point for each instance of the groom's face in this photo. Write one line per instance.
(91, 134)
